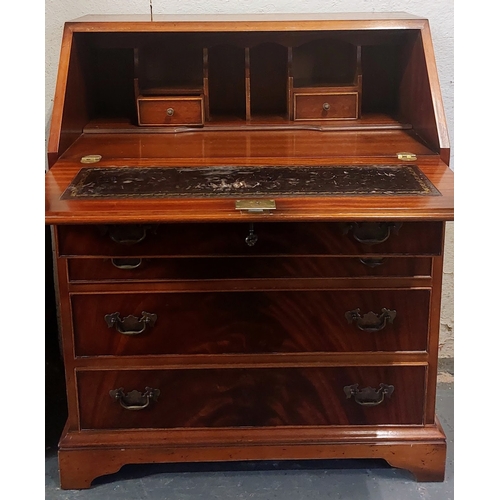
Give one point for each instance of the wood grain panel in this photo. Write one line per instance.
(250, 322)
(250, 397)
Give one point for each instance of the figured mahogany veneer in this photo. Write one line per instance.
(251, 397)
(196, 330)
(251, 322)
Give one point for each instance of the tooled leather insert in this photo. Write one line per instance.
(261, 181)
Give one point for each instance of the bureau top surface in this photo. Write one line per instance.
(246, 22)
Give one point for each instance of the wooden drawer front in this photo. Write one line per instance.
(163, 111)
(249, 397)
(217, 239)
(138, 269)
(251, 322)
(326, 106)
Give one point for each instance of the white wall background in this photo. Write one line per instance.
(439, 12)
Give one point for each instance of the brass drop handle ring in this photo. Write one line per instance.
(130, 325)
(126, 263)
(372, 233)
(134, 400)
(368, 396)
(170, 111)
(370, 322)
(326, 106)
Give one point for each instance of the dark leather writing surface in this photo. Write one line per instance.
(229, 181)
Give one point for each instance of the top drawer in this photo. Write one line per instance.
(243, 239)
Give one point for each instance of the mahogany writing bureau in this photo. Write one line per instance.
(248, 219)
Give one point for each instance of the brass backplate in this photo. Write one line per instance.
(255, 206)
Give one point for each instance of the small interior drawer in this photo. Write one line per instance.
(164, 111)
(261, 239)
(250, 322)
(325, 106)
(255, 397)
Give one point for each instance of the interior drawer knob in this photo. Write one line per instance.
(130, 325)
(326, 106)
(368, 396)
(370, 322)
(170, 111)
(135, 400)
(372, 233)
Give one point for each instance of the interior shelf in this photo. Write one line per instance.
(370, 121)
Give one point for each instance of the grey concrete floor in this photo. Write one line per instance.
(296, 480)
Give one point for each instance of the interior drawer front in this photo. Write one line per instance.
(255, 397)
(326, 106)
(250, 322)
(137, 269)
(231, 239)
(164, 111)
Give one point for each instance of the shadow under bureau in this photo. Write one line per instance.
(248, 219)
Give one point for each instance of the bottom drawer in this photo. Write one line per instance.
(251, 397)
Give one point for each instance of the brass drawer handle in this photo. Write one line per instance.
(370, 322)
(130, 325)
(170, 111)
(372, 262)
(372, 233)
(368, 396)
(127, 234)
(134, 400)
(126, 263)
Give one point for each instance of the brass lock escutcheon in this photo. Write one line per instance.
(255, 206)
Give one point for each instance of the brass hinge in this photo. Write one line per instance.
(255, 206)
(407, 156)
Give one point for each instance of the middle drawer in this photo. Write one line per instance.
(138, 269)
(128, 324)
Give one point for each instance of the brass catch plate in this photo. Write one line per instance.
(255, 206)
(91, 159)
(407, 156)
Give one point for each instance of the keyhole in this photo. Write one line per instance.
(252, 238)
